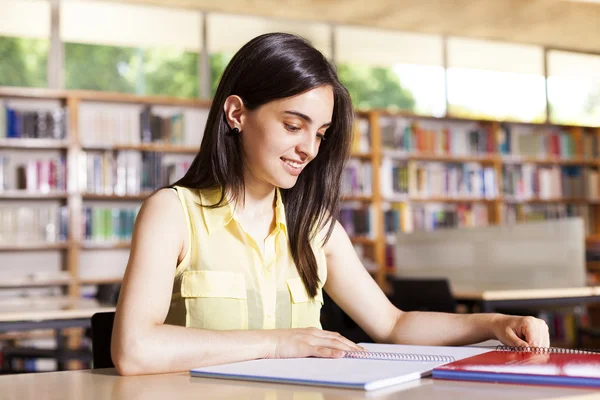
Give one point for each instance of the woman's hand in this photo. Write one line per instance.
(308, 342)
(520, 331)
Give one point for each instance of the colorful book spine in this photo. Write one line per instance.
(38, 124)
(100, 224)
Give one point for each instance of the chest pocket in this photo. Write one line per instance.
(306, 312)
(215, 300)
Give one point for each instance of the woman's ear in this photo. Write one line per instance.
(234, 112)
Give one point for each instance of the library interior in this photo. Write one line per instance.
(472, 186)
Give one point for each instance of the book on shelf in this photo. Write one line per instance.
(36, 124)
(357, 178)
(33, 175)
(29, 225)
(102, 224)
(357, 219)
(414, 136)
(534, 141)
(529, 181)
(103, 124)
(419, 179)
(128, 172)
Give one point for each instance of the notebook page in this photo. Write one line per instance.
(344, 372)
(341, 372)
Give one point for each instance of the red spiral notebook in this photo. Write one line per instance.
(532, 366)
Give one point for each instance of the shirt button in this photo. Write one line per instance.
(269, 315)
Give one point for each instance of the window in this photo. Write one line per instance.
(24, 42)
(409, 77)
(494, 80)
(148, 50)
(228, 33)
(574, 88)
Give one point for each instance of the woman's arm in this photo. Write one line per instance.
(353, 289)
(143, 344)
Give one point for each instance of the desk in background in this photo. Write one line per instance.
(106, 384)
(56, 316)
(492, 300)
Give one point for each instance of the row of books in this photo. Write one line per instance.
(414, 136)
(128, 172)
(26, 225)
(104, 124)
(40, 176)
(435, 179)
(406, 217)
(108, 224)
(539, 142)
(471, 139)
(357, 179)
(357, 220)
(37, 124)
(526, 181)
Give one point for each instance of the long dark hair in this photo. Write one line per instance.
(270, 67)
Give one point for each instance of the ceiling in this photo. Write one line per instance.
(563, 24)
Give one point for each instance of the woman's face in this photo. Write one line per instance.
(281, 137)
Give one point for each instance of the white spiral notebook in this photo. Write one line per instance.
(382, 366)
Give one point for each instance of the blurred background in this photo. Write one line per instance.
(474, 173)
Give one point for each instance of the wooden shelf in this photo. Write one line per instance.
(357, 198)
(33, 246)
(362, 240)
(549, 161)
(33, 144)
(100, 281)
(450, 200)
(33, 93)
(593, 266)
(131, 197)
(34, 283)
(403, 155)
(158, 148)
(550, 201)
(28, 335)
(97, 245)
(362, 156)
(25, 195)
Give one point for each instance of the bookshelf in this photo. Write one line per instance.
(371, 155)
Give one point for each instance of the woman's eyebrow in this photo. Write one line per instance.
(304, 117)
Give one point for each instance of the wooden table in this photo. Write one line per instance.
(492, 300)
(55, 315)
(106, 384)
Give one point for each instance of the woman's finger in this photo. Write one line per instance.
(337, 336)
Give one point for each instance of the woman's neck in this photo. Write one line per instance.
(258, 201)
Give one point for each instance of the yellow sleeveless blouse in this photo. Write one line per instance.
(223, 282)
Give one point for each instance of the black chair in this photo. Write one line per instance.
(102, 326)
(334, 319)
(422, 294)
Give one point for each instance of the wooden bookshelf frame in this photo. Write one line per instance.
(74, 198)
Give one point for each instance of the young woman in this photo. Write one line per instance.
(241, 248)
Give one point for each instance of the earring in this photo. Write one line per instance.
(235, 131)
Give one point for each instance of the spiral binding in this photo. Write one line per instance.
(545, 350)
(374, 355)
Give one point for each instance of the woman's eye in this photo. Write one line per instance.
(321, 136)
(291, 128)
